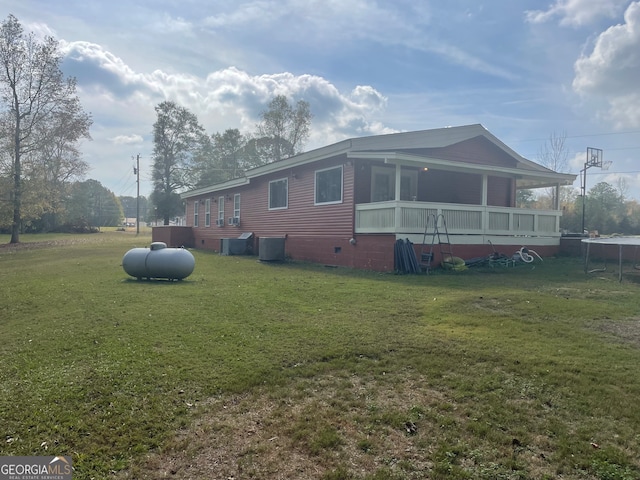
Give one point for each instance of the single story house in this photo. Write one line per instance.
(346, 204)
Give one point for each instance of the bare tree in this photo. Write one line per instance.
(34, 91)
(555, 156)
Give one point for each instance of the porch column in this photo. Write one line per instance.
(485, 188)
(398, 212)
(485, 214)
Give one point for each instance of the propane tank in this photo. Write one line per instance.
(158, 261)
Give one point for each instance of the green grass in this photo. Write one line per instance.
(257, 370)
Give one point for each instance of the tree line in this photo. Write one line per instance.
(186, 157)
(42, 123)
(605, 209)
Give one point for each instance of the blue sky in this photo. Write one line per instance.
(524, 69)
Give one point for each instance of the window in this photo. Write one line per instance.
(383, 184)
(207, 212)
(278, 194)
(409, 185)
(236, 206)
(329, 185)
(195, 213)
(221, 210)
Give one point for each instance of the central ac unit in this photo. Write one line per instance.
(271, 249)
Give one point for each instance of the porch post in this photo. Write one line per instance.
(485, 188)
(485, 213)
(398, 213)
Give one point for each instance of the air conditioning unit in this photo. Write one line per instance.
(220, 222)
(271, 249)
(243, 245)
(234, 221)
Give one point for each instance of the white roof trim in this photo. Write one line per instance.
(381, 147)
(448, 165)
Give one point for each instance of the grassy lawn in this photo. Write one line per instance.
(265, 371)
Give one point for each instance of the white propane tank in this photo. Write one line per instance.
(158, 261)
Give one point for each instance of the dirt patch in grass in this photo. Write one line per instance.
(339, 428)
(12, 247)
(623, 331)
(320, 427)
(75, 240)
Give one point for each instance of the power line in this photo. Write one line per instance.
(604, 134)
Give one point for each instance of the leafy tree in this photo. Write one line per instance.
(604, 208)
(525, 198)
(130, 207)
(36, 101)
(284, 129)
(178, 138)
(571, 210)
(92, 205)
(630, 223)
(223, 158)
(230, 153)
(59, 162)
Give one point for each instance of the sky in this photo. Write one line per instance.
(525, 69)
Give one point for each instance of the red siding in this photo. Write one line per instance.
(331, 221)
(477, 150)
(500, 192)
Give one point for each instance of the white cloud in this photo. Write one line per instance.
(611, 71)
(577, 13)
(167, 24)
(241, 97)
(225, 98)
(127, 139)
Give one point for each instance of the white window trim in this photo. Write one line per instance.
(286, 199)
(196, 206)
(207, 212)
(315, 186)
(236, 205)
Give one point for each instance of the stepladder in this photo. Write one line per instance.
(435, 236)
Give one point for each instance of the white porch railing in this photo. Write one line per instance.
(400, 217)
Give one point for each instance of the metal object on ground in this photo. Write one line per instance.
(271, 249)
(619, 241)
(158, 261)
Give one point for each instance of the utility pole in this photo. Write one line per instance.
(136, 171)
